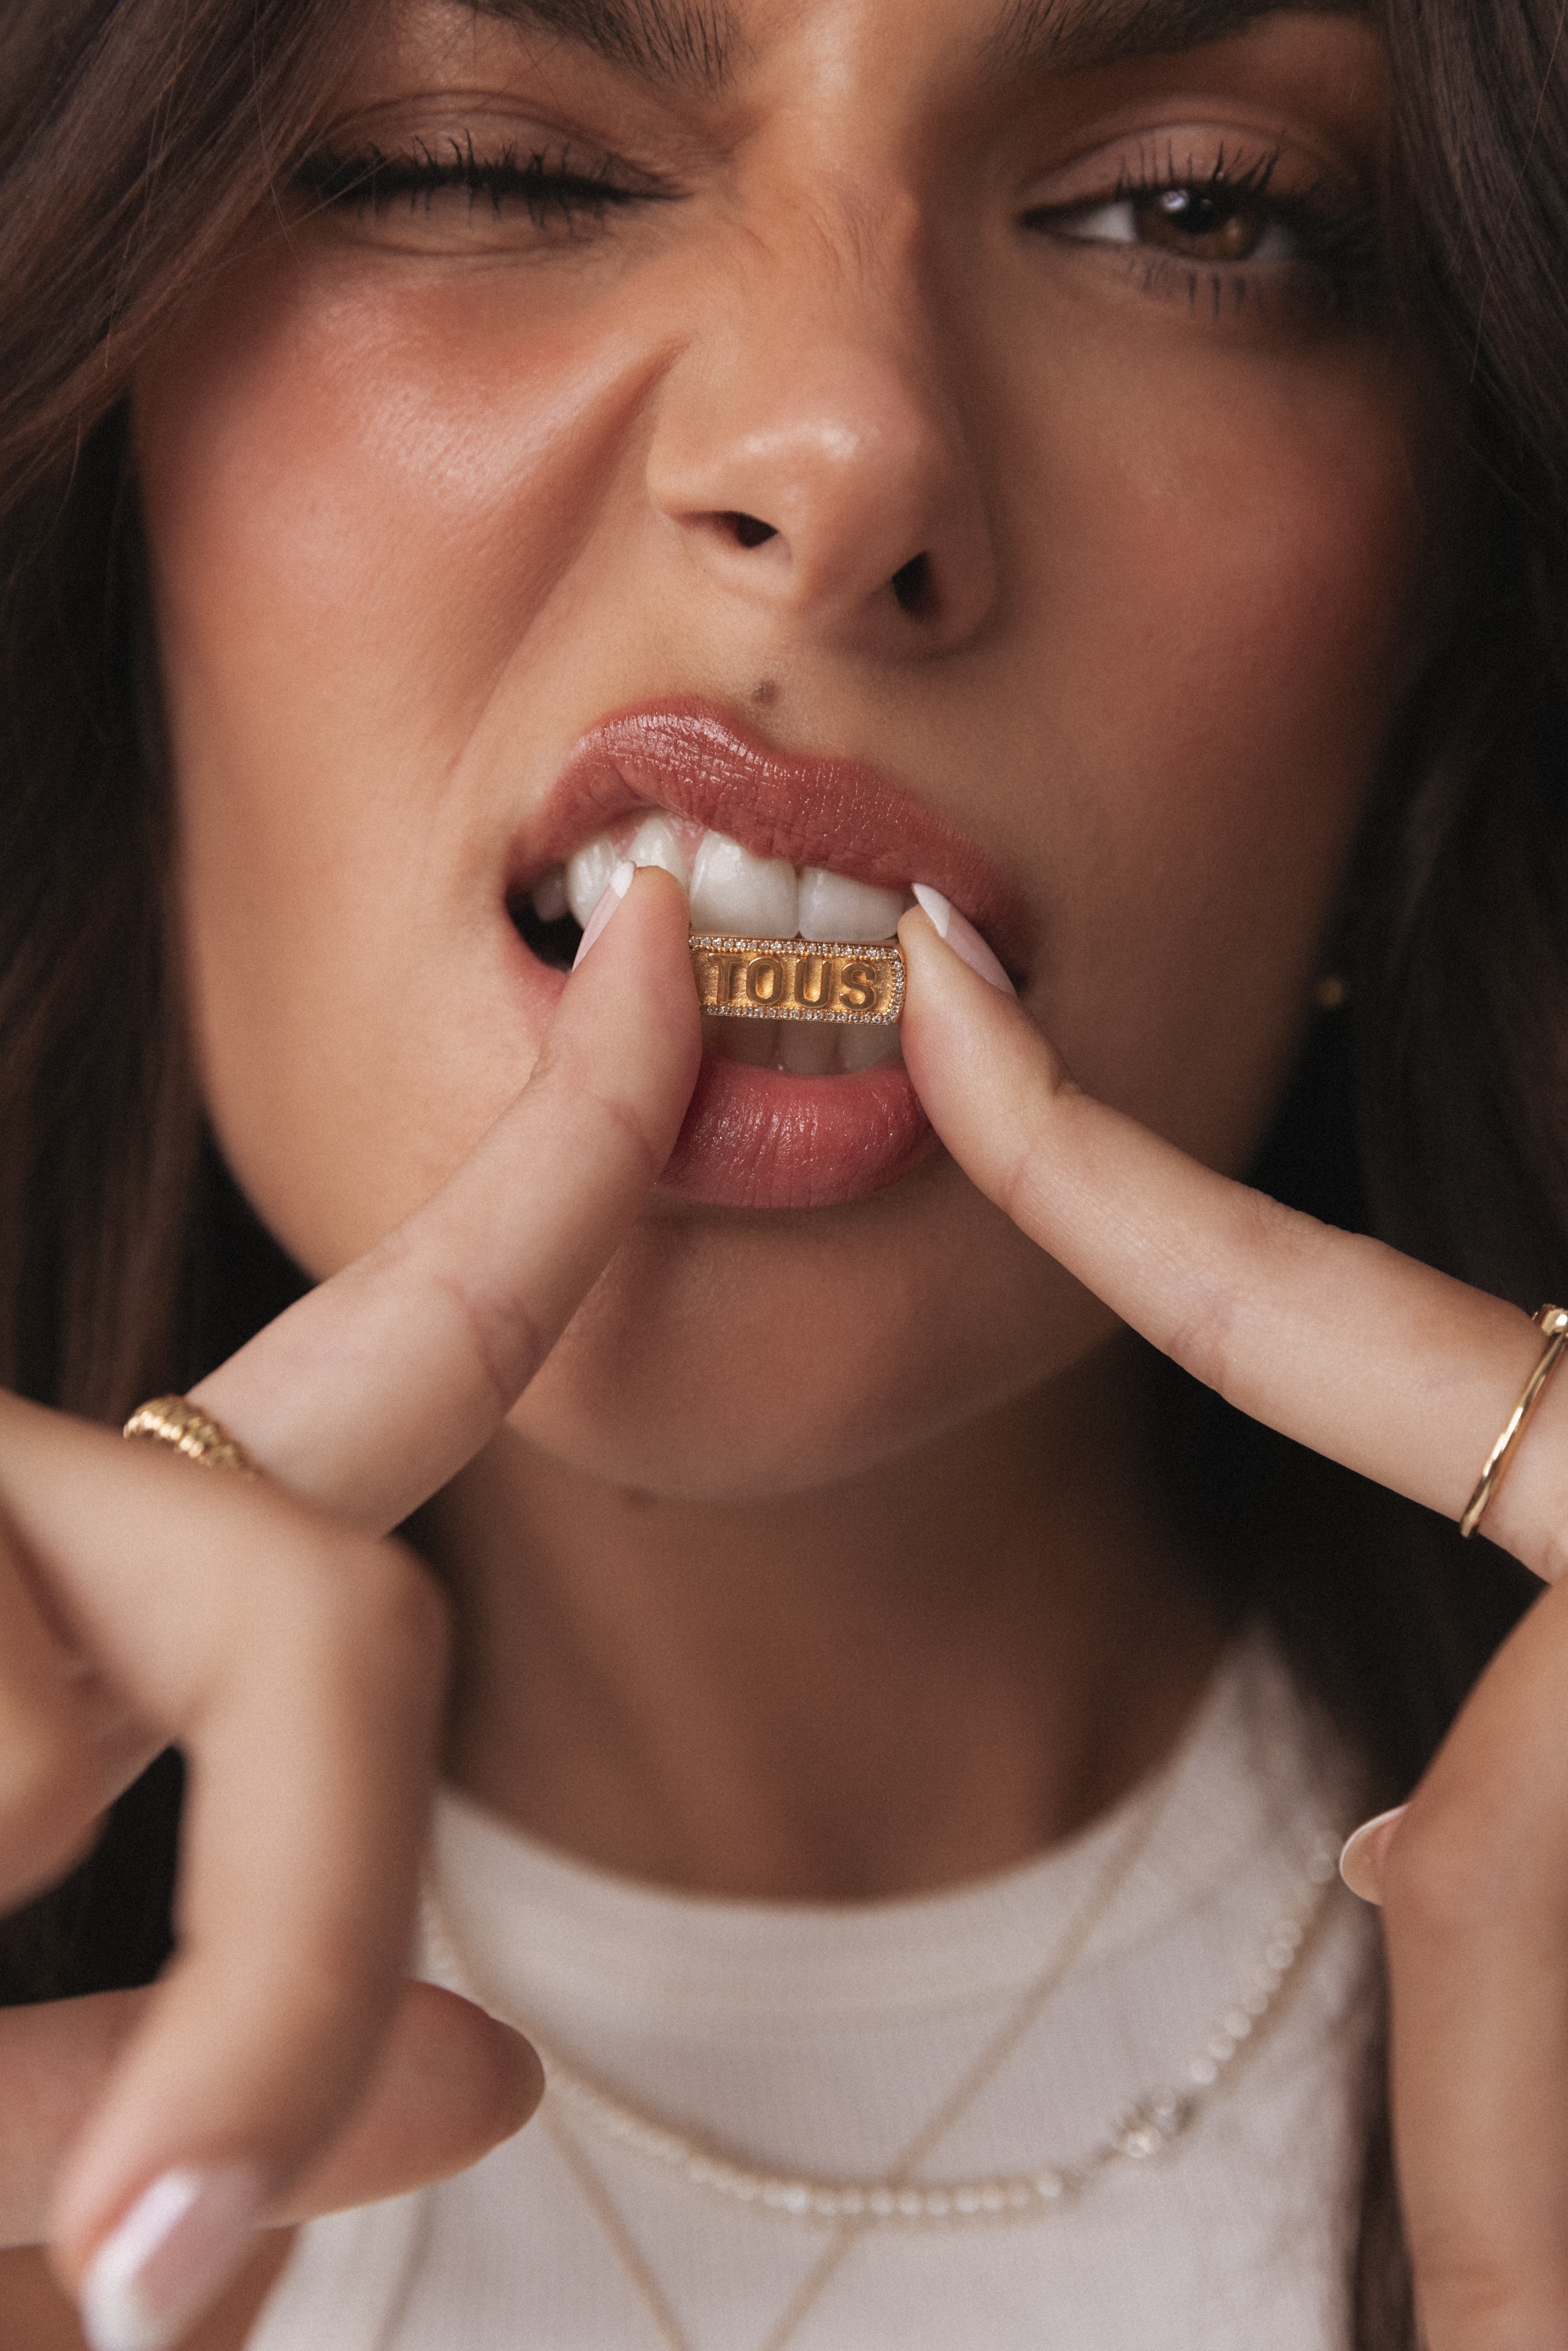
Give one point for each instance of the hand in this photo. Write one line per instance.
(298, 1657)
(1406, 1376)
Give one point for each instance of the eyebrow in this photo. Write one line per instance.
(1070, 36)
(689, 41)
(694, 41)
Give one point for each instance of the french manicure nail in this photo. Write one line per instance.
(1361, 1863)
(169, 2258)
(961, 935)
(610, 897)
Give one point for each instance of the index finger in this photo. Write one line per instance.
(1399, 1372)
(377, 1387)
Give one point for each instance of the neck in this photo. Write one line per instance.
(912, 1679)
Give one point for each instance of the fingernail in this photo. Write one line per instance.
(961, 935)
(610, 897)
(1361, 1863)
(164, 2265)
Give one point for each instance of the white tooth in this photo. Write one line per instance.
(867, 1045)
(655, 843)
(549, 895)
(807, 1049)
(754, 897)
(832, 907)
(588, 870)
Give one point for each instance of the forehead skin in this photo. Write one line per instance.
(698, 42)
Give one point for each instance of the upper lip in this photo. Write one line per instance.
(692, 759)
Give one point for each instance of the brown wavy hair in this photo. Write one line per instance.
(141, 141)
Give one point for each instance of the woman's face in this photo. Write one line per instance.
(954, 440)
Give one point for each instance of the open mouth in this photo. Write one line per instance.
(779, 854)
(735, 895)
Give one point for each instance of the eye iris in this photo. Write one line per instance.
(1208, 225)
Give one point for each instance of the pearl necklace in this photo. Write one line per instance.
(849, 2208)
(1141, 2129)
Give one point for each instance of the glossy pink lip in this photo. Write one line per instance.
(760, 1138)
(686, 758)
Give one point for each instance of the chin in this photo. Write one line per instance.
(728, 1361)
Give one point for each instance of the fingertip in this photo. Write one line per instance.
(169, 2256)
(645, 887)
(447, 2053)
(609, 900)
(956, 931)
(652, 887)
(633, 956)
(1361, 1864)
(452, 2083)
(519, 2078)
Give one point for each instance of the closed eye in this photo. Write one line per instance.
(549, 188)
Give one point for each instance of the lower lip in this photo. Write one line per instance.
(761, 1138)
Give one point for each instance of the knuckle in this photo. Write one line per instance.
(1024, 1179)
(412, 1615)
(1261, 1234)
(1203, 1340)
(505, 1339)
(398, 1621)
(42, 1765)
(1200, 1344)
(363, 1607)
(51, 1791)
(626, 1123)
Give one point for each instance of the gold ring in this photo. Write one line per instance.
(175, 1420)
(1553, 1322)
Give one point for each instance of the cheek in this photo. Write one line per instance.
(356, 508)
(364, 514)
(1232, 595)
(352, 486)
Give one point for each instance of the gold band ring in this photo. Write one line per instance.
(1553, 1322)
(175, 1420)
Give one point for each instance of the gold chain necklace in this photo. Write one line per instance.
(853, 2207)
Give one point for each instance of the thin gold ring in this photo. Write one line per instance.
(175, 1420)
(1553, 1322)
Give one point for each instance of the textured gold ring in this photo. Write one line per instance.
(798, 979)
(175, 1420)
(1553, 1322)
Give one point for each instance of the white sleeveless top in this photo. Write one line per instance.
(819, 2038)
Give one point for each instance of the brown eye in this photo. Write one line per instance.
(1206, 225)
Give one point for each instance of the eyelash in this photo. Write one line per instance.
(1338, 245)
(550, 191)
(1342, 244)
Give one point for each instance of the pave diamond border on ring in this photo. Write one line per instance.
(729, 995)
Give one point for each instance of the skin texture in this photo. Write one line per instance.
(428, 493)
(1177, 553)
(385, 483)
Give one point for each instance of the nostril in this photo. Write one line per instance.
(748, 531)
(912, 584)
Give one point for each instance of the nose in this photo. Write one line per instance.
(813, 460)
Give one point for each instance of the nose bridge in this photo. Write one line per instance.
(843, 299)
(813, 411)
